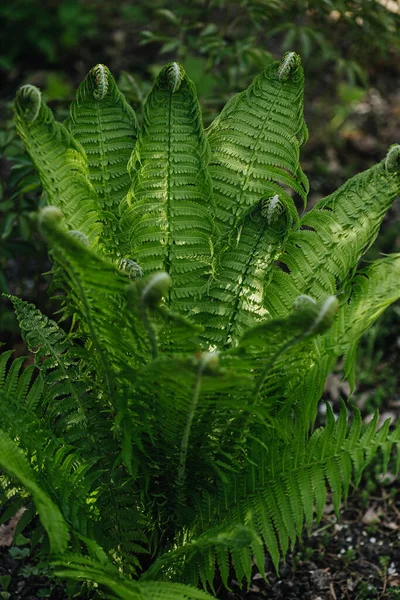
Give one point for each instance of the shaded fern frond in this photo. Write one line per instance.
(268, 344)
(369, 293)
(332, 237)
(89, 278)
(235, 298)
(106, 126)
(55, 356)
(255, 145)
(78, 568)
(14, 462)
(167, 212)
(61, 163)
(276, 495)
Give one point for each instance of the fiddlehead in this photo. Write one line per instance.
(289, 64)
(100, 74)
(174, 76)
(130, 267)
(79, 236)
(275, 211)
(392, 162)
(28, 102)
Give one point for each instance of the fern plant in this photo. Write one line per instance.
(171, 431)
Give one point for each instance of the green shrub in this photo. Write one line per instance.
(172, 428)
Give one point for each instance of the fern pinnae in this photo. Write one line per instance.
(107, 129)
(61, 163)
(45, 338)
(335, 234)
(166, 214)
(240, 277)
(255, 145)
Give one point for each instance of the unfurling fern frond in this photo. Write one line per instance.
(61, 163)
(333, 236)
(106, 127)
(97, 290)
(369, 293)
(235, 299)
(255, 145)
(166, 215)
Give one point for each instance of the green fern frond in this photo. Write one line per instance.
(167, 212)
(88, 275)
(279, 488)
(172, 427)
(105, 125)
(61, 163)
(22, 395)
(370, 292)
(333, 236)
(235, 298)
(14, 462)
(255, 145)
(78, 568)
(269, 343)
(53, 352)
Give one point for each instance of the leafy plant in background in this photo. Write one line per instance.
(19, 199)
(231, 40)
(44, 29)
(170, 430)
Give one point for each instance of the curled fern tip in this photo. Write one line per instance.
(50, 214)
(323, 314)
(174, 74)
(156, 287)
(79, 236)
(28, 102)
(289, 64)
(130, 267)
(392, 162)
(101, 78)
(302, 301)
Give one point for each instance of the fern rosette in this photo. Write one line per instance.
(171, 430)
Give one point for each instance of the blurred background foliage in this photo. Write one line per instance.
(350, 51)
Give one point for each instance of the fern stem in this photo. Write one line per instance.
(149, 330)
(186, 433)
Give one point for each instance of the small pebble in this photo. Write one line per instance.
(372, 540)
